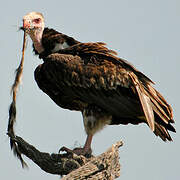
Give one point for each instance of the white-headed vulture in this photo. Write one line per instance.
(90, 78)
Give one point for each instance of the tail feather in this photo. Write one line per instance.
(145, 101)
(154, 103)
(167, 126)
(166, 105)
(161, 107)
(162, 132)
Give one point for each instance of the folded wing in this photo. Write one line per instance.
(89, 73)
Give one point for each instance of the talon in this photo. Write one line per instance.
(78, 151)
(85, 151)
(65, 149)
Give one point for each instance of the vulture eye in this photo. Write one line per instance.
(37, 20)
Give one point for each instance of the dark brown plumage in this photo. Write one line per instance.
(90, 78)
(50, 38)
(106, 81)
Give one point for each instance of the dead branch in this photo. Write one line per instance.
(104, 166)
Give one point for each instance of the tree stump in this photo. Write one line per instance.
(72, 166)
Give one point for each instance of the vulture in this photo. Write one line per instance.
(90, 78)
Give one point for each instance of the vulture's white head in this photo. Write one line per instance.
(33, 23)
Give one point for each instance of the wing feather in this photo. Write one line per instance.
(145, 101)
(89, 73)
(105, 84)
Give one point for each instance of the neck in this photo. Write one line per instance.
(36, 37)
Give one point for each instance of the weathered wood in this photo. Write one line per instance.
(104, 166)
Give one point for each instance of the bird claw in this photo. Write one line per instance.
(77, 151)
(65, 149)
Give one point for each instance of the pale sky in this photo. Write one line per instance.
(146, 33)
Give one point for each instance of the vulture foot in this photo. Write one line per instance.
(79, 151)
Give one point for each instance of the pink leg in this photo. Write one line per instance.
(86, 150)
(87, 145)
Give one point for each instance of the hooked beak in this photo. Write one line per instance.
(26, 24)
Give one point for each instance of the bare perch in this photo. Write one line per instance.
(104, 166)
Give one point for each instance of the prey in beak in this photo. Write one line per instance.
(33, 25)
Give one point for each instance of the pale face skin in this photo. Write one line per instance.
(33, 23)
